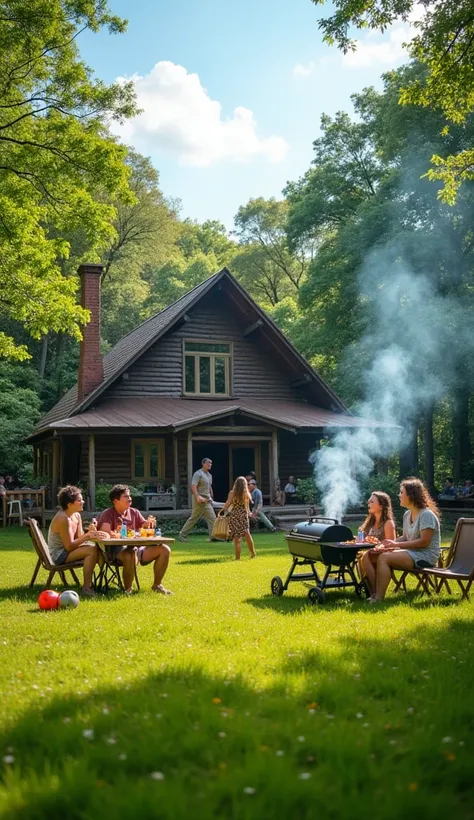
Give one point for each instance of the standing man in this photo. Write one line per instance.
(201, 488)
(122, 512)
(257, 512)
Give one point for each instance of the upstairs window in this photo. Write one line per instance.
(207, 369)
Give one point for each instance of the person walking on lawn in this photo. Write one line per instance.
(257, 499)
(201, 488)
(122, 512)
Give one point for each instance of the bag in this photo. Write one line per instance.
(220, 530)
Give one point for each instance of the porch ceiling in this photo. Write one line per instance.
(175, 414)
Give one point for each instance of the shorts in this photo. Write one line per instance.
(113, 554)
(60, 558)
(423, 564)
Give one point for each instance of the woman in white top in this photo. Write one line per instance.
(421, 537)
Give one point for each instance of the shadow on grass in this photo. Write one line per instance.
(185, 743)
(223, 559)
(288, 604)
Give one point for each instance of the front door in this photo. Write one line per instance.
(244, 458)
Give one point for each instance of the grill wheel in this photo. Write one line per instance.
(316, 596)
(277, 586)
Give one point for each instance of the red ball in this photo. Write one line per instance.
(48, 599)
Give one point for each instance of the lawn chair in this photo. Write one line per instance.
(45, 560)
(459, 566)
(443, 561)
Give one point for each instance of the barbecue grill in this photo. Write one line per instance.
(321, 540)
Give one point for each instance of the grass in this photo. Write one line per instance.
(224, 702)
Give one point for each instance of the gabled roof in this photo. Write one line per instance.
(135, 344)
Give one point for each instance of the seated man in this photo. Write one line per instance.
(290, 490)
(112, 519)
(257, 506)
(449, 491)
(467, 490)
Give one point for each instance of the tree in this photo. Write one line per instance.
(444, 45)
(19, 410)
(54, 153)
(264, 263)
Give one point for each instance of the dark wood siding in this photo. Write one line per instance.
(294, 455)
(113, 463)
(254, 373)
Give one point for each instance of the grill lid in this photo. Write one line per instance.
(322, 529)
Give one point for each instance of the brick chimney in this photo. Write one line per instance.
(91, 369)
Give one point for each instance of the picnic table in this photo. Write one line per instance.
(108, 573)
(32, 503)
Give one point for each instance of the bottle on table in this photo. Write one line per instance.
(360, 535)
(123, 530)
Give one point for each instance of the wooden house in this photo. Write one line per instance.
(210, 375)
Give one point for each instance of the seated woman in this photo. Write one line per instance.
(379, 524)
(67, 539)
(421, 537)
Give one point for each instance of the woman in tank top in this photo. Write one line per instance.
(67, 539)
(379, 524)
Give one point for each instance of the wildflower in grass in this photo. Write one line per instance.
(365, 725)
(105, 711)
(249, 790)
(359, 715)
(330, 717)
(280, 753)
(410, 710)
(122, 756)
(157, 776)
(111, 741)
(216, 700)
(66, 720)
(301, 739)
(313, 706)
(450, 756)
(88, 734)
(9, 759)
(413, 787)
(304, 775)
(222, 734)
(447, 740)
(263, 748)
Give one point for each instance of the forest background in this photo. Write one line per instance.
(70, 192)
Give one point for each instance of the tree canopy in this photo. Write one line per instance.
(444, 44)
(55, 155)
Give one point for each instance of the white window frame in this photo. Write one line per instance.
(212, 356)
(146, 443)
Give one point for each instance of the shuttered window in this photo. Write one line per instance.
(207, 368)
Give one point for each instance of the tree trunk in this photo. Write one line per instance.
(429, 448)
(409, 453)
(43, 356)
(462, 451)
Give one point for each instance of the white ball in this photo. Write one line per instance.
(69, 599)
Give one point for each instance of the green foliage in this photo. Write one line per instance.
(386, 483)
(444, 45)
(19, 411)
(54, 154)
(307, 491)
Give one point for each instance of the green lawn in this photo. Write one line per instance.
(221, 701)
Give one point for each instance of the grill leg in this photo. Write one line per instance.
(292, 569)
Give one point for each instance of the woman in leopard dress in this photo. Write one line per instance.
(239, 527)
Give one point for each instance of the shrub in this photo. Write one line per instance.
(307, 491)
(102, 499)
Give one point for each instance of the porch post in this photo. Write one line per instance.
(176, 471)
(35, 462)
(273, 463)
(91, 470)
(190, 466)
(55, 471)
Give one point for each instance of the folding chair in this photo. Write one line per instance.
(45, 560)
(109, 574)
(460, 563)
(443, 560)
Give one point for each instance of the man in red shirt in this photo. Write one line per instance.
(122, 512)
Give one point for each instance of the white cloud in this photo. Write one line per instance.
(179, 116)
(301, 70)
(374, 50)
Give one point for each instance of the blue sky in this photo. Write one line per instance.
(232, 93)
